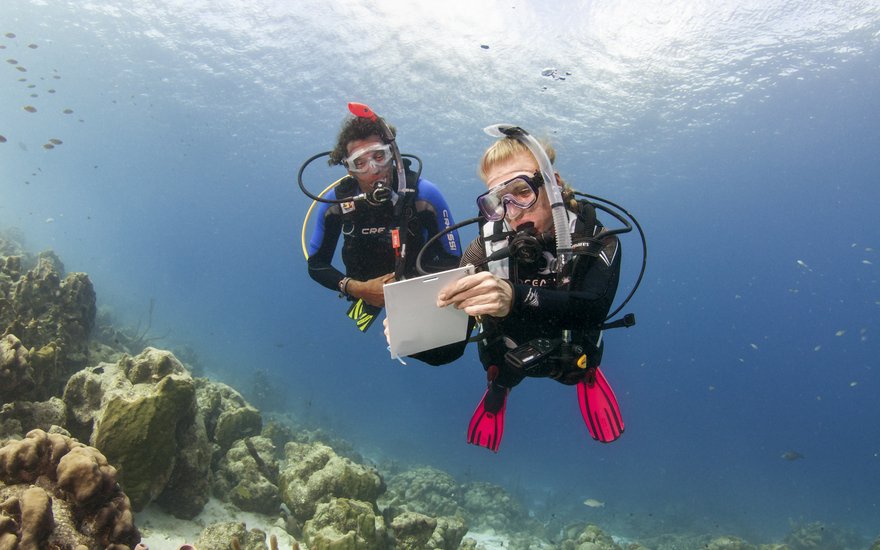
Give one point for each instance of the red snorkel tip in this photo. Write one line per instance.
(361, 110)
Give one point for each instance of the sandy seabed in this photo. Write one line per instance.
(161, 531)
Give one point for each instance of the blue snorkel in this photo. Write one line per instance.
(554, 193)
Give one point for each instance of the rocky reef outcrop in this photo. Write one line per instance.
(142, 413)
(314, 474)
(247, 476)
(228, 416)
(50, 317)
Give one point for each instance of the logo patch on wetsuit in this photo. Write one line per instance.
(347, 207)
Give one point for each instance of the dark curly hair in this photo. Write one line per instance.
(354, 128)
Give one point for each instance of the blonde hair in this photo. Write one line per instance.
(506, 148)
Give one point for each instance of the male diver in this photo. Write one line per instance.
(383, 223)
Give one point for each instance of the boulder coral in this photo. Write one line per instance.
(231, 534)
(345, 524)
(247, 483)
(314, 474)
(228, 417)
(426, 491)
(413, 531)
(56, 492)
(141, 412)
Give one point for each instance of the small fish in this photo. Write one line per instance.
(67, 111)
(867, 262)
(840, 333)
(754, 346)
(48, 146)
(50, 220)
(804, 265)
(12, 61)
(593, 503)
(2, 139)
(33, 46)
(791, 456)
(55, 141)
(10, 35)
(30, 108)
(853, 384)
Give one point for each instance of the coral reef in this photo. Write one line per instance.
(58, 493)
(590, 538)
(142, 413)
(488, 506)
(53, 318)
(16, 375)
(220, 536)
(228, 417)
(345, 524)
(314, 474)
(426, 491)
(414, 531)
(247, 476)
(175, 439)
(14, 416)
(817, 535)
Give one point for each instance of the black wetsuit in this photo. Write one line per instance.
(367, 251)
(540, 310)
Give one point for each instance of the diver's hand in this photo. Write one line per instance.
(370, 291)
(479, 294)
(387, 334)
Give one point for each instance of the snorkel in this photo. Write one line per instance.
(398, 235)
(554, 193)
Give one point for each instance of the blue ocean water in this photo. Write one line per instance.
(743, 135)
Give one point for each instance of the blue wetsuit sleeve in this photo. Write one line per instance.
(434, 216)
(430, 193)
(322, 245)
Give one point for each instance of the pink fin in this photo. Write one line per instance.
(599, 408)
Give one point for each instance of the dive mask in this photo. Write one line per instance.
(521, 191)
(371, 158)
